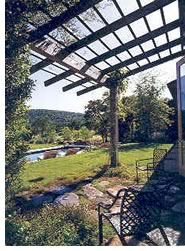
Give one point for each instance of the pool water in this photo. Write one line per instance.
(35, 156)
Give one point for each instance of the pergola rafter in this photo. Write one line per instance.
(141, 56)
(67, 15)
(56, 59)
(135, 71)
(96, 65)
(113, 27)
(135, 42)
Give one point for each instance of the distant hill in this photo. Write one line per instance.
(62, 118)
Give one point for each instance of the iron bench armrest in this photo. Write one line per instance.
(141, 160)
(115, 198)
(152, 164)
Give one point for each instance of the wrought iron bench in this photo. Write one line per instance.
(148, 165)
(139, 214)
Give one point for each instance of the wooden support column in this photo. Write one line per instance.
(113, 125)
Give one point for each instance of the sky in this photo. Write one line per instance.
(53, 98)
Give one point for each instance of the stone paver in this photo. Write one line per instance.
(91, 192)
(130, 240)
(59, 190)
(114, 190)
(172, 235)
(179, 207)
(69, 199)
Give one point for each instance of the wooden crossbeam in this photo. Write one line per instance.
(91, 88)
(155, 63)
(127, 62)
(75, 84)
(54, 58)
(40, 65)
(140, 69)
(58, 78)
(143, 56)
(126, 46)
(135, 42)
(64, 17)
(113, 26)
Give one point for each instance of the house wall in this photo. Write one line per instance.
(181, 113)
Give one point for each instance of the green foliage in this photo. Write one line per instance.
(18, 89)
(86, 134)
(59, 118)
(67, 133)
(53, 226)
(97, 116)
(43, 131)
(82, 134)
(97, 112)
(127, 118)
(18, 86)
(152, 111)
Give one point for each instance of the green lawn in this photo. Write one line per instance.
(40, 146)
(39, 175)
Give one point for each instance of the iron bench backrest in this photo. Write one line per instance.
(158, 156)
(140, 212)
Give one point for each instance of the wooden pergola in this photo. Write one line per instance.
(81, 44)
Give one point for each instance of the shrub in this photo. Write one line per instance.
(53, 225)
(95, 140)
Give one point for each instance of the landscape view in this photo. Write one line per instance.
(104, 167)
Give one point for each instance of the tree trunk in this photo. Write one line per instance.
(113, 126)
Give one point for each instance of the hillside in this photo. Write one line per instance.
(62, 118)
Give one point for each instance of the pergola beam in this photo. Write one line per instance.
(140, 69)
(130, 61)
(143, 56)
(91, 88)
(135, 42)
(75, 84)
(113, 27)
(58, 78)
(155, 63)
(40, 65)
(54, 58)
(57, 21)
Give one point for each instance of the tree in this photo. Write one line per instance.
(85, 133)
(152, 111)
(17, 91)
(127, 118)
(97, 116)
(67, 133)
(97, 112)
(43, 127)
(172, 129)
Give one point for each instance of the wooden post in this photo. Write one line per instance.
(113, 126)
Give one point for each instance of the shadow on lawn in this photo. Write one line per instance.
(137, 146)
(37, 179)
(37, 201)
